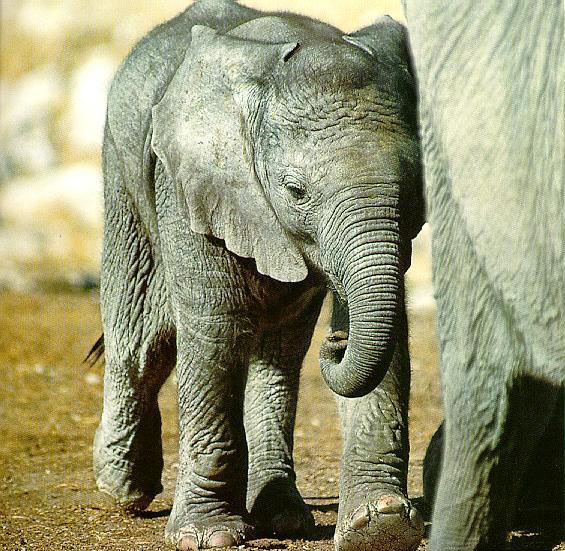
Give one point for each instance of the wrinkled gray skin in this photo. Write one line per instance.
(250, 162)
(542, 487)
(491, 79)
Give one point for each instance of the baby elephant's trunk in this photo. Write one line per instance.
(360, 244)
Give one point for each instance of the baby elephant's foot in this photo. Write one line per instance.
(389, 522)
(228, 532)
(280, 510)
(131, 485)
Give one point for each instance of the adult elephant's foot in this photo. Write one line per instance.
(228, 531)
(387, 522)
(278, 509)
(131, 482)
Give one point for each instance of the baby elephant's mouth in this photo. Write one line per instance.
(333, 347)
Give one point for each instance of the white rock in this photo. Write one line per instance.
(16, 243)
(44, 18)
(69, 196)
(26, 153)
(39, 368)
(28, 109)
(54, 20)
(92, 378)
(83, 124)
(52, 222)
(30, 97)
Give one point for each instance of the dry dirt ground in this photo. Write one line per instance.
(49, 408)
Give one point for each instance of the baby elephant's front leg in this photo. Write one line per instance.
(273, 499)
(209, 506)
(374, 511)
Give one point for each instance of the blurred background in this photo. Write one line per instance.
(57, 60)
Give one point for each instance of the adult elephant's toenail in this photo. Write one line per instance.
(390, 504)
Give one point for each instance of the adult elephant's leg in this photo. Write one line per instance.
(275, 503)
(542, 491)
(209, 504)
(140, 352)
(374, 511)
(494, 413)
(480, 483)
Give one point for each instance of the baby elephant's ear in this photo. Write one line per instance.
(202, 131)
(386, 40)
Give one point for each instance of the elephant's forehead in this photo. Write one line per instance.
(302, 122)
(317, 108)
(330, 135)
(362, 156)
(326, 124)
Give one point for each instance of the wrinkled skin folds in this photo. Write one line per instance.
(251, 161)
(492, 113)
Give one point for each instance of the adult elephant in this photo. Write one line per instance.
(251, 161)
(491, 79)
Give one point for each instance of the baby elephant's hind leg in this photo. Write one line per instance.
(140, 352)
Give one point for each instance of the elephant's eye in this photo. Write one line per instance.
(295, 190)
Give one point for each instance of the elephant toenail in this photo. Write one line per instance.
(187, 543)
(416, 519)
(360, 519)
(390, 504)
(222, 539)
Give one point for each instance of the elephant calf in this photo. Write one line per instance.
(251, 161)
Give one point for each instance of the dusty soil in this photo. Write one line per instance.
(49, 408)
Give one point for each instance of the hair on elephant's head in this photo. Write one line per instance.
(302, 153)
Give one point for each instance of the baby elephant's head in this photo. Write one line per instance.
(302, 153)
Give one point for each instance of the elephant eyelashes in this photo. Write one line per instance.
(291, 52)
(296, 191)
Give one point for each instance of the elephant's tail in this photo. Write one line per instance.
(96, 352)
